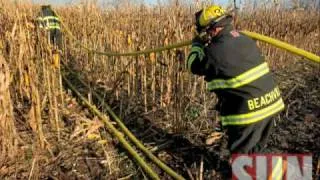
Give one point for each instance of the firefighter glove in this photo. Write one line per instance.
(198, 41)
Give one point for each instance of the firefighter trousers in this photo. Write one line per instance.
(250, 138)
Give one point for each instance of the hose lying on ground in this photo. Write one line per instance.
(118, 134)
(127, 132)
(115, 132)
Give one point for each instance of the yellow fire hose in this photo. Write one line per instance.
(152, 174)
(115, 132)
(282, 45)
(266, 39)
(126, 131)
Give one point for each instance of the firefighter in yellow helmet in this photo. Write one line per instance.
(235, 70)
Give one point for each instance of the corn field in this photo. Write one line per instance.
(46, 133)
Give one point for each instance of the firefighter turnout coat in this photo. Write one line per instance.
(49, 21)
(236, 71)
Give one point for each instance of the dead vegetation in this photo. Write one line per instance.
(45, 133)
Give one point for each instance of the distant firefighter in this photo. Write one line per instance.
(49, 21)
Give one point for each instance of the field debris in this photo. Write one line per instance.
(47, 133)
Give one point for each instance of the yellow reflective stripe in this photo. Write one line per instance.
(243, 79)
(197, 49)
(196, 52)
(53, 24)
(53, 27)
(48, 18)
(191, 60)
(51, 18)
(49, 25)
(243, 119)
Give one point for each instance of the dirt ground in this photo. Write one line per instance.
(297, 128)
(74, 157)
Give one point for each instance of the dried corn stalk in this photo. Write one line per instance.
(7, 128)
